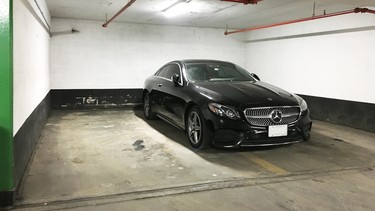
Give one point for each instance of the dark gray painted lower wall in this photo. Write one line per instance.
(95, 98)
(6, 199)
(349, 113)
(27, 137)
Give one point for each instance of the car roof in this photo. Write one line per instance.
(186, 61)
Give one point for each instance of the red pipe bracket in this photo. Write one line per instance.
(244, 1)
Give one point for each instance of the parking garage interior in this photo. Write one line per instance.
(73, 134)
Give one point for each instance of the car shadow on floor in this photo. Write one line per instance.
(179, 136)
(321, 147)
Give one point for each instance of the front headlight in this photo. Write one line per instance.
(225, 111)
(303, 105)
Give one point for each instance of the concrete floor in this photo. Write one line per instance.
(115, 160)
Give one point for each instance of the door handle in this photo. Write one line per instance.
(160, 84)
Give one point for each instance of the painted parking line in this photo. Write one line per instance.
(268, 166)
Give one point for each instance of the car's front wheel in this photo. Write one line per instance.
(147, 110)
(198, 132)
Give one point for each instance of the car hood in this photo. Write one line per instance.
(246, 94)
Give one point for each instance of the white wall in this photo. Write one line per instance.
(124, 55)
(30, 60)
(330, 58)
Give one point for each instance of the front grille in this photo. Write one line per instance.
(262, 116)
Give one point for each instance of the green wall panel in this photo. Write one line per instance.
(6, 96)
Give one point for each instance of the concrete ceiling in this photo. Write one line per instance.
(200, 13)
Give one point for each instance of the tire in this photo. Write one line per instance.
(198, 133)
(307, 134)
(147, 110)
(307, 137)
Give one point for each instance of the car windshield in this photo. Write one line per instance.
(213, 72)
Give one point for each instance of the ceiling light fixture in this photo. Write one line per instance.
(176, 8)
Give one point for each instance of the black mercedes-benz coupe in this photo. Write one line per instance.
(220, 103)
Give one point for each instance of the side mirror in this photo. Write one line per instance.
(176, 79)
(255, 76)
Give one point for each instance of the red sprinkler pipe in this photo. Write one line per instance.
(119, 12)
(356, 10)
(367, 10)
(244, 1)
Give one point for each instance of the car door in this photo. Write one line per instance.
(174, 103)
(158, 93)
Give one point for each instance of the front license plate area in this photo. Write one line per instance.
(277, 130)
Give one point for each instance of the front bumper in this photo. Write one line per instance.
(237, 133)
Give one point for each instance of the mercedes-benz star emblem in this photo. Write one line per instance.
(276, 116)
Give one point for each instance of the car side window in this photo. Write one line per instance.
(163, 72)
(174, 69)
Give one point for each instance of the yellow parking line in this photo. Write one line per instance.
(268, 166)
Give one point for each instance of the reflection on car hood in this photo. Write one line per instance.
(246, 93)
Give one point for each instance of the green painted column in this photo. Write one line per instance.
(6, 96)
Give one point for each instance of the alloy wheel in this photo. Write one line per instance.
(146, 105)
(194, 127)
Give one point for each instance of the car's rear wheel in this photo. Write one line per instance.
(147, 110)
(198, 132)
